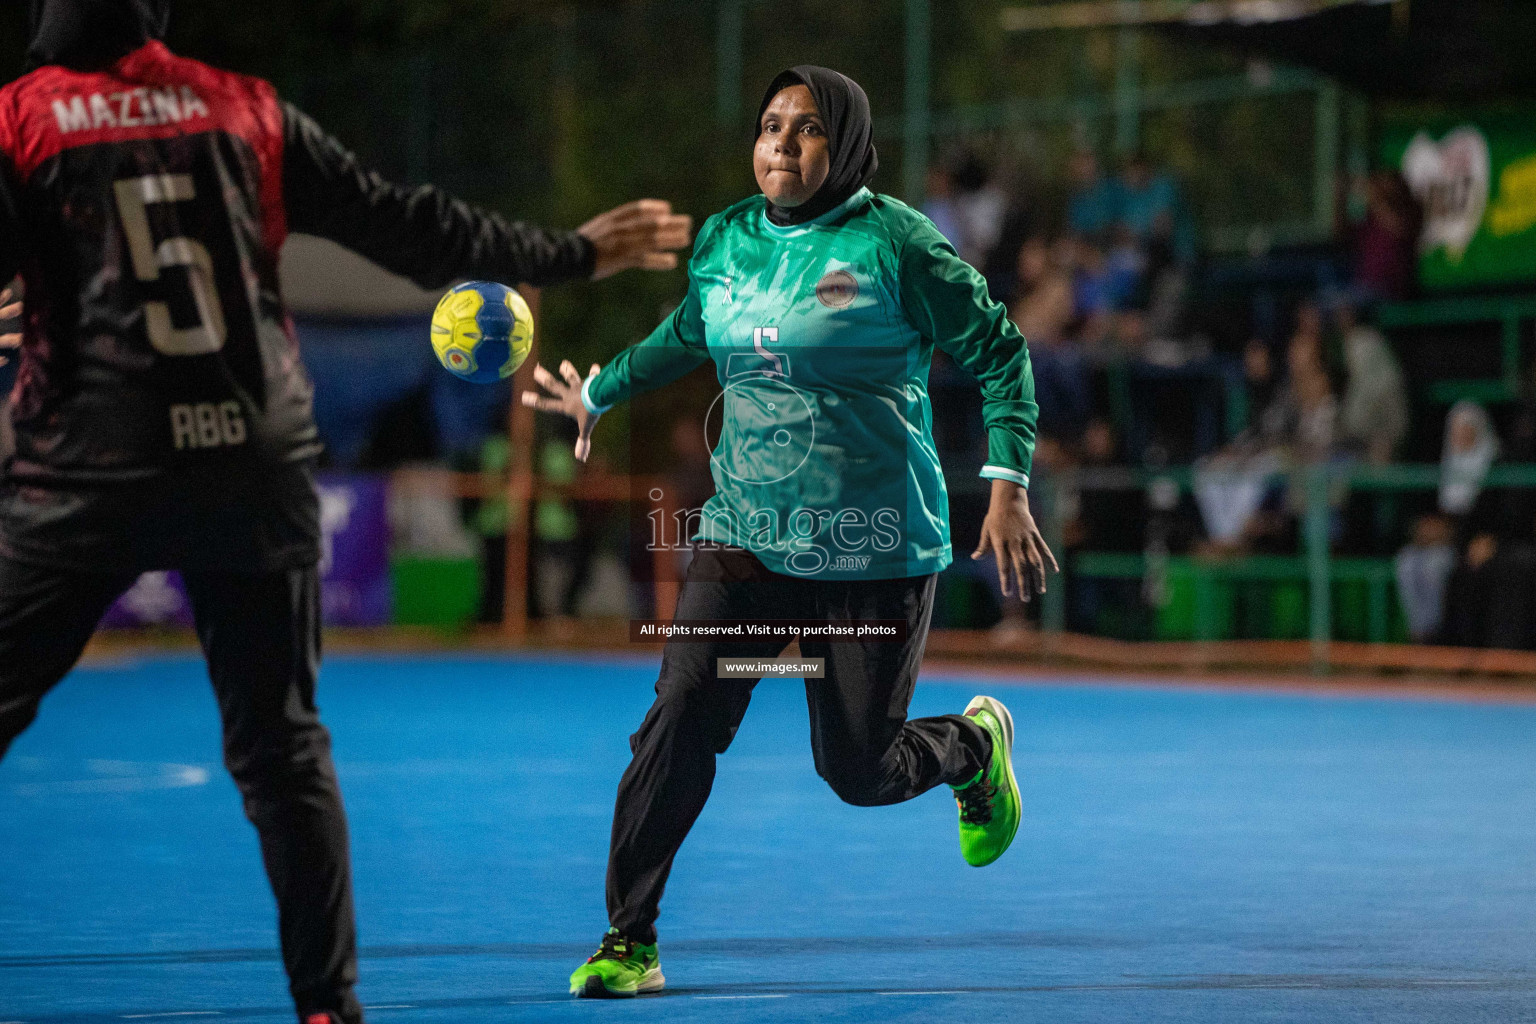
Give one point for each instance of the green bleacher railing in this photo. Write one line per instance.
(1509, 311)
(1314, 565)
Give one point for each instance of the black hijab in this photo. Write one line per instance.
(90, 34)
(844, 111)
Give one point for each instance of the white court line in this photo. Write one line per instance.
(392, 1006)
(927, 992)
(770, 995)
(173, 1013)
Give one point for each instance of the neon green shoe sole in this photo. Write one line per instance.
(619, 969)
(990, 807)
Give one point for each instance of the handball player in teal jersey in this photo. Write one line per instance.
(820, 304)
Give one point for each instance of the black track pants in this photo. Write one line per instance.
(261, 636)
(864, 746)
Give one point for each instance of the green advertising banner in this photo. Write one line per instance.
(1476, 177)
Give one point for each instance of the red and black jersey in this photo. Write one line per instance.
(162, 415)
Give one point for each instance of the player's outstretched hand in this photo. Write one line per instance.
(564, 397)
(1010, 533)
(9, 310)
(644, 234)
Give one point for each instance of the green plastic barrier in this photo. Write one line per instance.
(441, 592)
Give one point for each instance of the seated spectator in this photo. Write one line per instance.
(1423, 568)
(1384, 245)
(1490, 600)
(1091, 287)
(1489, 597)
(1165, 285)
(1260, 382)
(1036, 261)
(1125, 268)
(1150, 207)
(1317, 417)
(1374, 418)
(1471, 446)
(1296, 428)
(1063, 387)
(1094, 205)
(979, 209)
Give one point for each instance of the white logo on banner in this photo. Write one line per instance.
(152, 599)
(335, 516)
(1451, 179)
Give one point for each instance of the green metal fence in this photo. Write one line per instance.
(1314, 566)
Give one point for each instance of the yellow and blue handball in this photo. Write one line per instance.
(482, 331)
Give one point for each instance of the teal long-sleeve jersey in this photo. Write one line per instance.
(822, 334)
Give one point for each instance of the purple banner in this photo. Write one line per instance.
(156, 599)
(354, 549)
(354, 563)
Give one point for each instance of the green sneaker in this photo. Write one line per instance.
(989, 803)
(620, 967)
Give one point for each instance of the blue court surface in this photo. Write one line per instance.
(1187, 855)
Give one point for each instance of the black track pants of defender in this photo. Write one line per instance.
(261, 636)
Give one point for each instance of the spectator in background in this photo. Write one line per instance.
(1125, 268)
(1384, 246)
(1260, 382)
(979, 207)
(1296, 428)
(1488, 598)
(1317, 417)
(939, 205)
(1093, 208)
(1045, 308)
(1150, 208)
(1092, 289)
(1471, 445)
(1423, 567)
(1374, 417)
(1037, 261)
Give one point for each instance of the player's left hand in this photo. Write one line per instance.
(563, 396)
(1010, 533)
(643, 234)
(10, 309)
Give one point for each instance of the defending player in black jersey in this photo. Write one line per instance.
(162, 415)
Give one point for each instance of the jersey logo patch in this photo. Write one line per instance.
(837, 289)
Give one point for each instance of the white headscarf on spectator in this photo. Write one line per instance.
(1462, 471)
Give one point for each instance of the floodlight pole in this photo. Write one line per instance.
(915, 107)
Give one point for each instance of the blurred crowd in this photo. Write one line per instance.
(1147, 353)
(1108, 292)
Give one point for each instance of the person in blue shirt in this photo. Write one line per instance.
(1094, 205)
